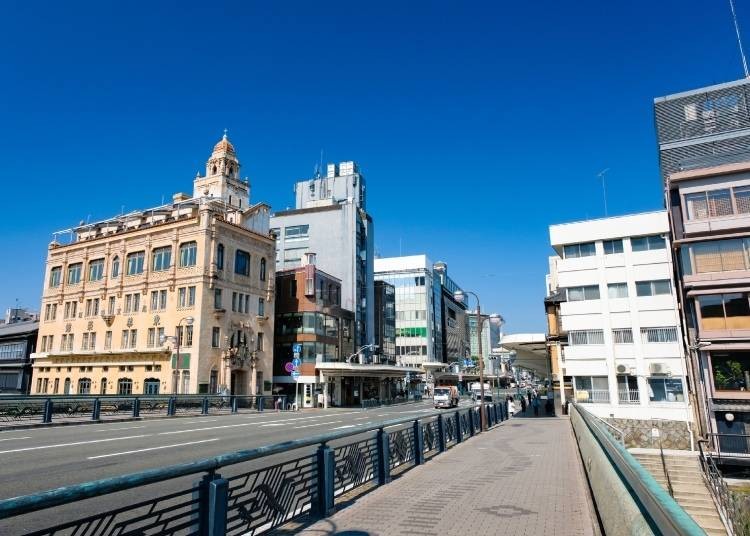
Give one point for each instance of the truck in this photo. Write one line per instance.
(476, 392)
(445, 396)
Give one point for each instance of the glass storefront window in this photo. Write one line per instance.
(665, 390)
(731, 370)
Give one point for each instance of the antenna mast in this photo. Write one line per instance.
(739, 39)
(601, 175)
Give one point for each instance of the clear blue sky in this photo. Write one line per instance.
(476, 124)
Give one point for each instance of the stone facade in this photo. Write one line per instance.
(674, 435)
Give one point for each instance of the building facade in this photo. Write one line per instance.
(18, 337)
(621, 351)
(173, 299)
(330, 220)
(385, 323)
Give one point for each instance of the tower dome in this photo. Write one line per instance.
(223, 147)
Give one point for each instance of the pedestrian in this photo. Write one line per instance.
(523, 405)
(511, 407)
(528, 394)
(535, 404)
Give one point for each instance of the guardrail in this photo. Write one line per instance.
(730, 445)
(628, 499)
(375, 403)
(258, 490)
(718, 488)
(30, 410)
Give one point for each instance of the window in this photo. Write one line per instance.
(262, 274)
(742, 199)
(151, 386)
(96, 270)
(124, 386)
(724, 311)
(296, 232)
(668, 334)
(215, 337)
(247, 304)
(718, 256)
(74, 273)
(261, 307)
(185, 296)
(191, 296)
(710, 204)
(70, 309)
(66, 343)
(217, 298)
(592, 389)
(115, 267)
(135, 262)
(731, 370)
(622, 336)
(13, 350)
(259, 342)
(612, 246)
(220, 257)
(242, 262)
(646, 243)
(54, 276)
(653, 288)
(129, 338)
(111, 306)
(719, 203)
(84, 386)
(92, 307)
(151, 338)
(50, 311)
(108, 340)
(161, 259)
(185, 335)
(234, 301)
(573, 251)
(665, 390)
(590, 336)
(188, 254)
(617, 290)
(88, 341)
(132, 303)
(589, 292)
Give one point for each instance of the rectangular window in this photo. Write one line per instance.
(574, 251)
(590, 336)
(653, 288)
(162, 299)
(742, 199)
(622, 336)
(697, 206)
(720, 255)
(217, 298)
(108, 340)
(234, 301)
(592, 389)
(125, 340)
(261, 307)
(612, 246)
(191, 296)
(135, 262)
(668, 334)
(151, 337)
(647, 243)
(719, 203)
(724, 311)
(589, 292)
(162, 259)
(111, 306)
(259, 342)
(215, 337)
(154, 300)
(188, 254)
(74, 273)
(188, 338)
(133, 337)
(731, 370)
(665, 390)
(617, 290)
(96, 269)
(247, 304)
(54, 276)
(296, 232)
(242, 262)
(181, 296)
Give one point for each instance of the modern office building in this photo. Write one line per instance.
(18, 336)
(174, 299)
(330, 220)
(451, 317)
(704, 151)
(385, 323)
(622, 351)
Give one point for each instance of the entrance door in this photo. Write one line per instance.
(308, 396)
(66, 386)
(238, 382)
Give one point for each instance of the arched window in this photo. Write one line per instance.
(231, 170)
(188, 254)
(220, 257)
(84, 386)
(151, 386)
(124, 386)
(263, 269)
(214, 170)
(116, 267)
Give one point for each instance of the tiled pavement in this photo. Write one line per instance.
(522, 478)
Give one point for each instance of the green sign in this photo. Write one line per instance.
(184, 362)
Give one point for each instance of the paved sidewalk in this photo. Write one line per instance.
(523, 478)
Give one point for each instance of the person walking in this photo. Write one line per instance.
(511, 407)
(528, 394)
(523, 405)
(535, 404)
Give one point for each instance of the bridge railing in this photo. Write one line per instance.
(29, 410)
(628, 499)
(250, 491)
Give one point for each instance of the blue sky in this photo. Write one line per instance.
(477, 124)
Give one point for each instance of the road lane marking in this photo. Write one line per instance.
(14, 438)
(195, 422)
(151, 448)
(316, 424)
(74, 443)
(116, 429)
(225, 426)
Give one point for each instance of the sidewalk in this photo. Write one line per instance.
(523, 478)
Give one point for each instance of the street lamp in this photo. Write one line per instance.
(188, 322)
(365, 347)
(460, 297)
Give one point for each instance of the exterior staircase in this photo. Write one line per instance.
(689, 488)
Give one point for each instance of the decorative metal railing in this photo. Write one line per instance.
(718, 488)
(29, 410)
(246, 492)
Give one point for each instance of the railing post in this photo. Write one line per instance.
(171, 406)
(260, 403)
(472, 431)
(384, 457)
(234, 404)
(97, 410)
(418, 443)
(137, 407)
(442, 440)
(218, 499)
(47, 417)
(459, 430)
(204, 406)
(326, 467)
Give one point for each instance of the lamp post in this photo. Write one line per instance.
(460, 297)
(188, 322)
(365, 347)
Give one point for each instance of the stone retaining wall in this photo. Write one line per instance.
(639, 433)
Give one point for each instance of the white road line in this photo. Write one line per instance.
(198, 421)
(74, 444)
(273, 424)
(316, 424)
(14, 438)
(345, 426)
(151, 448)
(116, 429)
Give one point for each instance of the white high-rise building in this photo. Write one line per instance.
(624, 355)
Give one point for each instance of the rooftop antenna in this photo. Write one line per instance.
(601, 175)
(739, 38)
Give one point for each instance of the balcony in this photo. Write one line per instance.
(629, 396)
(593, 396)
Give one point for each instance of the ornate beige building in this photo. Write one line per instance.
(173, 299)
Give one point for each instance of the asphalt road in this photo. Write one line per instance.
(40, 459)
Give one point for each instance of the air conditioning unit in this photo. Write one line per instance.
(623, 369)
(658, 368)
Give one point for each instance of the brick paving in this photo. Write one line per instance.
(522, 478)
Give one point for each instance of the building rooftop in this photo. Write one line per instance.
(18, 328)
(642, 223)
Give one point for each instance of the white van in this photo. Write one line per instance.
(445, 396)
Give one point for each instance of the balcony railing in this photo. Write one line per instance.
(593, 396)
(630, 396)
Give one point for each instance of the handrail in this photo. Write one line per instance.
(661, 509)
(717, 487)
(664, 465)
(612, 426)
(68, 494)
